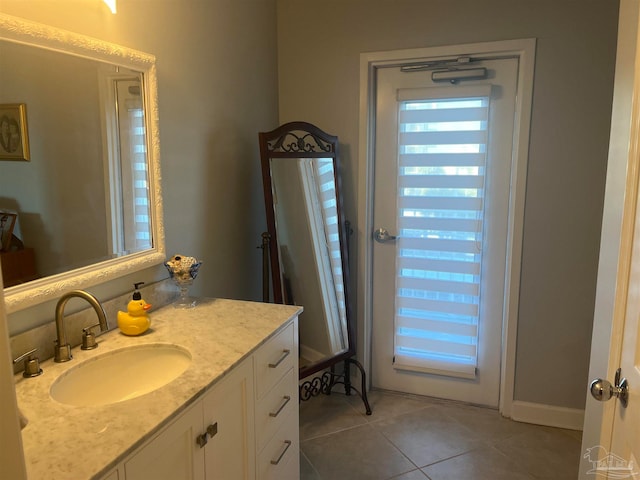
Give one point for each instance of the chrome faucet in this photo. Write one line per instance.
(62, 347)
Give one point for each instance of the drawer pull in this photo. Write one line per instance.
(285, 354)
(287, 445)
(286, 399)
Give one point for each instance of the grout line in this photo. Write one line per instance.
(340, 430)
(404, 473)
(315, 470)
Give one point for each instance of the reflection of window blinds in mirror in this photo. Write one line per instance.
(442, 155)
(140, 183)
(326, 184)
(322, 258)
(133, 166)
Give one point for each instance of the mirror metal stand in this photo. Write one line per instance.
(324, 383)
(320, 384)
(306, 251)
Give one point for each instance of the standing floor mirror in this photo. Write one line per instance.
(307, 248)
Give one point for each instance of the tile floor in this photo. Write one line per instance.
(410, 437)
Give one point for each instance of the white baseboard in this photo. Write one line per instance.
(549, 415)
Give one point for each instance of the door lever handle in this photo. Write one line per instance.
(602, 390)
(382, 235)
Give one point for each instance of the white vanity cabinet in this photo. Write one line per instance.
(244, 428)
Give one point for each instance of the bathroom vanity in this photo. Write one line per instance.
(232, 413)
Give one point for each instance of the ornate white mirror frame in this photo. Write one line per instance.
(17, 30)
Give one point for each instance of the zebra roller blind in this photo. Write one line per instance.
(442, 159)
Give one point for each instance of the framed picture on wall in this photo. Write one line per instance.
(14, 137)
(7, 223)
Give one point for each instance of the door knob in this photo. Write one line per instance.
(382, 235)
(602, 390)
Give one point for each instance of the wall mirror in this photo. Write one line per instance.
(88, 200)
(308, 251)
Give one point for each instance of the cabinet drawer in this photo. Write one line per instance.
(275, 407)
(274, 359)
(280, 458)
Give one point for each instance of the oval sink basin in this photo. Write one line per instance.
(120, 375)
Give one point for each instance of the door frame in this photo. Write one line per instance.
(524, 49)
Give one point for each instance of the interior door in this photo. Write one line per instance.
(441, 218)
(617, 454)
(611, 439)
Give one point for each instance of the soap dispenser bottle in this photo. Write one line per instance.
(135, 320)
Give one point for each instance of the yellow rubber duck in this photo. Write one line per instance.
(135, 320)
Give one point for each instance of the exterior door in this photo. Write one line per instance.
(443, 156)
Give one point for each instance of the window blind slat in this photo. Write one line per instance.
(454, 308)
(441, 181)
(425, 244)
(436, 346)
(440, 366)
(430, 285)
(451, 203)
(448, 115)
(442, 159)
(469, 268)
(444, 224)
(443, 138)
(440, 326)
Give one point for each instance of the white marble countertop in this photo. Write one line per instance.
(66, 442)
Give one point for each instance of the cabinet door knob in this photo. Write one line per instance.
(212, 430)
(202, 440)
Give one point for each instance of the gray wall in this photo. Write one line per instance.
(217, 87)
(318, 65)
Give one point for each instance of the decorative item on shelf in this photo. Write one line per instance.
(183, 270)
(7, 225)
(135, 320)
(18, 263)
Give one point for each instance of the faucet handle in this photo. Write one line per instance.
(89, 338)
(31, 364)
